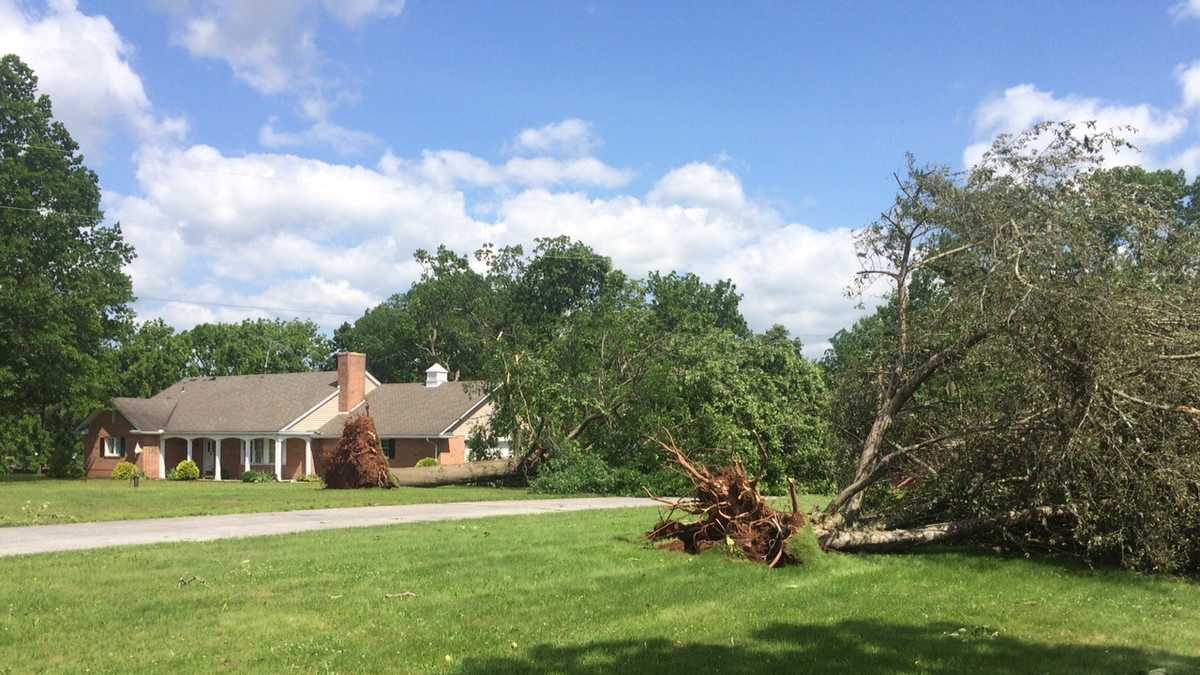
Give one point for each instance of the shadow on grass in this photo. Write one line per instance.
(848, 646)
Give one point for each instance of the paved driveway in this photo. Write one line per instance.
(79, 536)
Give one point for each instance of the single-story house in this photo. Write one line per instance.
(284, 423)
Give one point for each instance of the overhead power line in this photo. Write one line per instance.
(290, 310)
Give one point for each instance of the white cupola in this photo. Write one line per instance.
(435, 376)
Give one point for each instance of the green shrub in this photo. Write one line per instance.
(258, 477)
(185, 470)
(125, 471)
(578, 472)
(308, 478)
(426, 462)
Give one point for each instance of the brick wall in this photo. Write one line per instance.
(113, 424)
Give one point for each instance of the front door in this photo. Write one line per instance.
(207, 458)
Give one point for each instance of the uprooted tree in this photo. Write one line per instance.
(357, 461)
(1033, 378)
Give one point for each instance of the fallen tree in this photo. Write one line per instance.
(729, 511)
(1032, 381)
(357, 461)
(456, 474)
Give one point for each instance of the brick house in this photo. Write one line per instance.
(282, 424)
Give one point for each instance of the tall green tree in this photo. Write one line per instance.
(255, 346)
(63, 294)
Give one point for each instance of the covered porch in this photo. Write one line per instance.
(225, 456)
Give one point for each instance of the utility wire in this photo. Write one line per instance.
(291, 310)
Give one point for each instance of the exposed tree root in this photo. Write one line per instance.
(358, 460)
(731, 513)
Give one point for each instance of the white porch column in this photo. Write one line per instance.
(246, 453)
(217, 458)
(162, 457)
(308, 458)
(279, 458)
(189, 444)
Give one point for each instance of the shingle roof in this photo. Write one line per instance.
(233, 403)
(406, 409)
(147, 414)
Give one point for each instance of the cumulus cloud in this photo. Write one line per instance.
(85, 66)
(278, 230)
(569, 137)
(450, 168)
(221, 237)
(699, 184)
(1024, 105)
(1189, 83)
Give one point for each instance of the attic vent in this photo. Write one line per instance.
(435, 376)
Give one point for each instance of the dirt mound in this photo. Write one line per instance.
(732, 513)
(357, 461)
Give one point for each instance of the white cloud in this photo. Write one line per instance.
(217, 235)
(793, 274)
(571, 137)
(271, 46)
(85, 66)
(355, 12)
(320, 134)
(1189, 83)
(283, 231)
(552, 171)
(699, 184)
(450, 168)
(1187, 9)
(1021, 106)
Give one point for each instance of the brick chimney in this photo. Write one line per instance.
(352, 379)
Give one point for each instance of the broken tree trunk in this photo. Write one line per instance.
(731, 512)
(358, 460)
(866, 540)
(454, 474)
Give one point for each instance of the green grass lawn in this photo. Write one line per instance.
(42, 502)
(575, 593)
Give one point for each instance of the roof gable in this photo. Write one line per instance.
(413, 409)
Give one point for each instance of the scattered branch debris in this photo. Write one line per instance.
(731, 513)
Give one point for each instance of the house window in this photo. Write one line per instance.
(389, 448)
(114, 446)
(262, 451)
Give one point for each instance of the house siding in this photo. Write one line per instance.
(409, 451)
(113, 424)
(317, 418)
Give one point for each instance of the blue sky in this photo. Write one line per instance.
(293, 154)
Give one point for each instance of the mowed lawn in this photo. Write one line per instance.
(45, 502)
(575, 593)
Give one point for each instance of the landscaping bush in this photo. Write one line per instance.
(125, 471)
(308, 478)
(258, 477)
(185, 470)
(425, 462)
(578, 472)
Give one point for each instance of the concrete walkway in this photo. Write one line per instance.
(79, 536)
